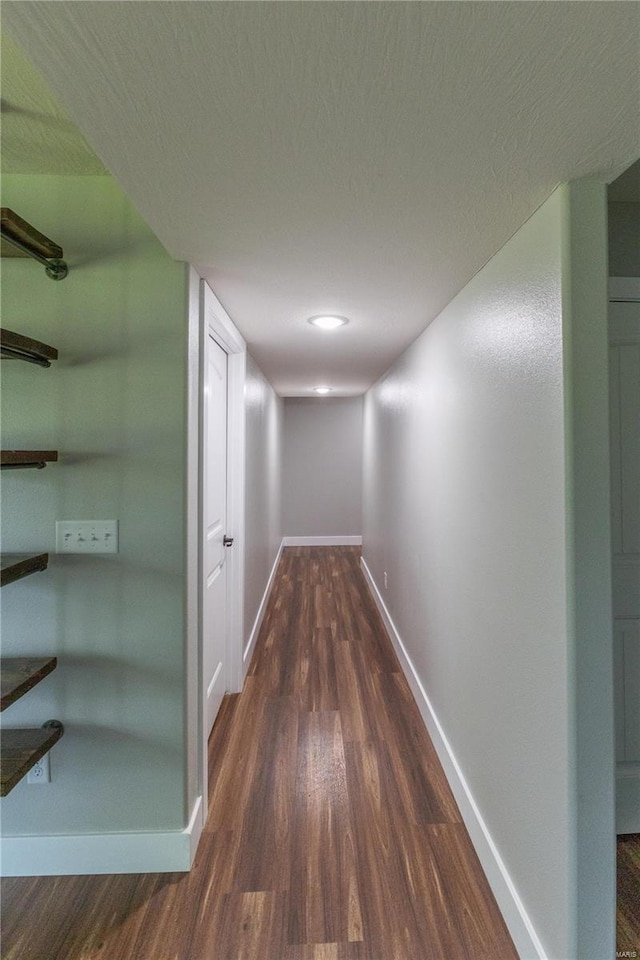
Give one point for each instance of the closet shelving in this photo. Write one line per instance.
(20, 674)
(21, 748)
(15, 566)
(14, 346)
(17, 459)
(20, 239)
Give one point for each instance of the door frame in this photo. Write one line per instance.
(214, 468)
(207, 315)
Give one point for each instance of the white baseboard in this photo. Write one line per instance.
(248, 650)
(341, 541)
(194, 829)
(170, 852)
(520, 927)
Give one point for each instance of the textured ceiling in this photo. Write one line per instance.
(37, 135)
(362, 158)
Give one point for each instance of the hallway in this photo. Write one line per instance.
(332, 832)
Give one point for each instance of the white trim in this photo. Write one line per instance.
(515, 916)
(214, 680)
(624, 288)
(248, 650)
(340, 541)
(193, 694)
(237, 370)
(168, 852)
(214, 318)
(194, 829)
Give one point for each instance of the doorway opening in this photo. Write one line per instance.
(221, 517)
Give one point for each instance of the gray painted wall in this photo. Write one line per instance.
(472, 500)
(624, 239)
(322, 472)
(263, 529)
(114, 406)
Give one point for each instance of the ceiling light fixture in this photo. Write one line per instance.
(328, 323)
(322, 390)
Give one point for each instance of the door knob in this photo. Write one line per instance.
(227, 541)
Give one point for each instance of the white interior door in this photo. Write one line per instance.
(214, 608)
(624, 347)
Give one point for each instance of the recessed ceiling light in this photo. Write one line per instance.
(322, 389)
(328, 323)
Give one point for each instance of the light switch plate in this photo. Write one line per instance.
(86, 536)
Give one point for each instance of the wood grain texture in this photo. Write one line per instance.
(13, 346)
(20, 749)
(332, 833)
(15, 228)
(15, 566)
(19, 674)
(27, 458)
(628, 914)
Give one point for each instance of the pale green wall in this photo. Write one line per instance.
(114, 406)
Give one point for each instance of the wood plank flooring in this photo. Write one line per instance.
(332, 833)
(628, 919)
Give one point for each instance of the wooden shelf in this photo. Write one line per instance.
(20, 239)
(14, 227)
(13, 459)
(13, 346)
(14, 566)
(21, 749)
(19, 674)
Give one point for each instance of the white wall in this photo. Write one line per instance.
(322, 471)
(471, 502)
(263, 529)
(114, 406)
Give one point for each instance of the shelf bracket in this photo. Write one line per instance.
(56, 726)
(55, 268)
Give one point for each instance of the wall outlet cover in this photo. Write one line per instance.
(41, 771)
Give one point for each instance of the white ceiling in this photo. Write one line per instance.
(37, 134)
(359, 158)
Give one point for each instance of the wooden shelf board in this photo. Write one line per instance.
(14, 226)
(19, 674)
(27, 458)
(14, 566)
(20, 749)
(14, 346)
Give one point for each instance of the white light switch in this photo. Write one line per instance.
(86, 536)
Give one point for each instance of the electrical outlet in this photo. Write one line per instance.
(41, 771)
(385, 579)
(86, 536)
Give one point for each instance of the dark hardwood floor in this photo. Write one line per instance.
(628, 920)
(332, 833)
